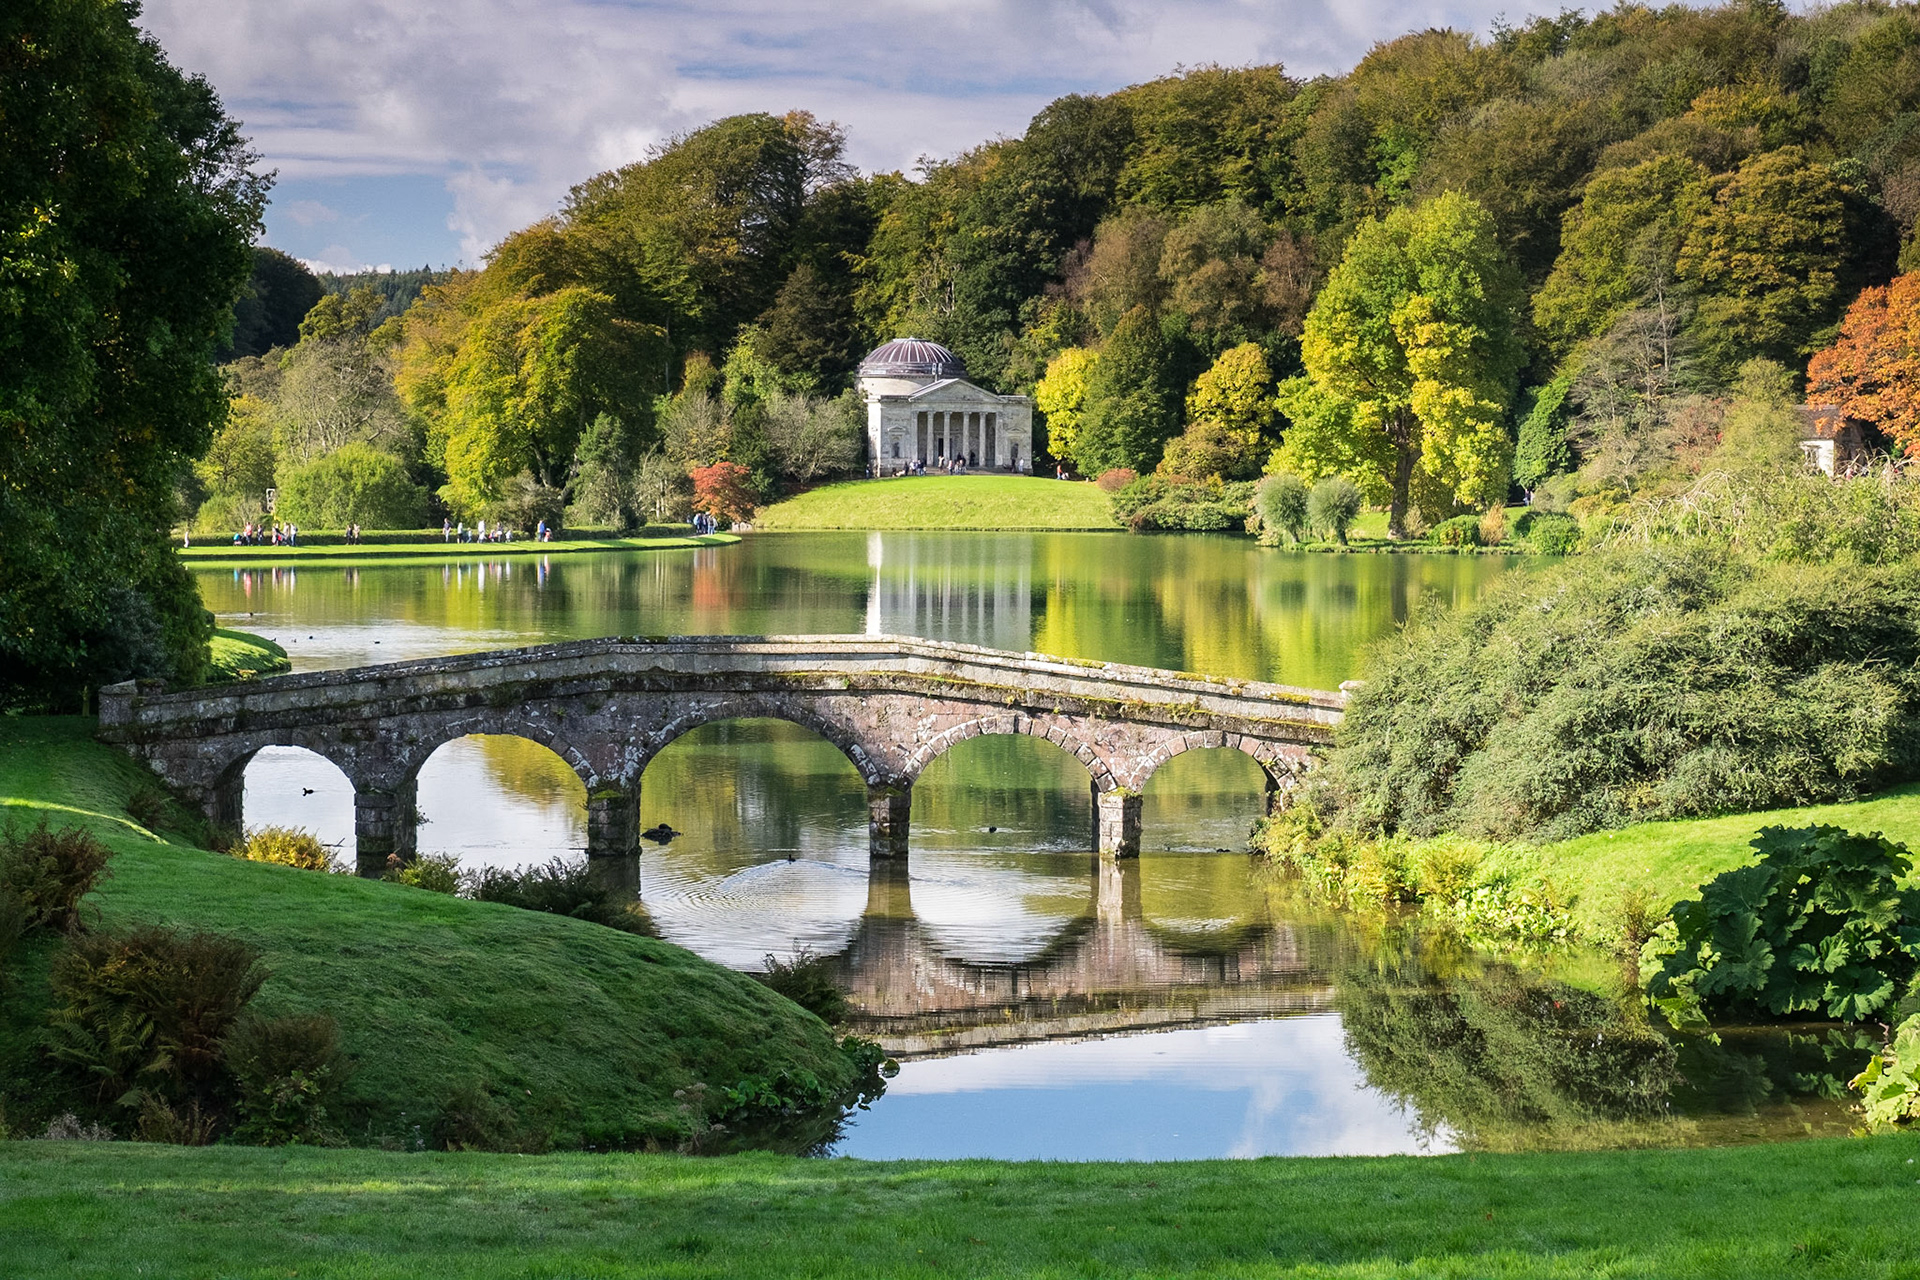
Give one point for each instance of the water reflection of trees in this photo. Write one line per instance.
(1500, 1059)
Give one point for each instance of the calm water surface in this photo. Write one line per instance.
(1181, 1006)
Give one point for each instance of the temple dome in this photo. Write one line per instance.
(912, 358)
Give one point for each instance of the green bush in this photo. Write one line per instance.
(139, 1017)
(1618, 688)
(1333, 506)
(1460, 531)
(1889, 1088)
(1818, 926)
(1196, 506)
(286, 847)
(434, 872)
(1549, 533)
(285, 1072)
(1282, 502)
(355, 484)
(560, 888)
(807, 980)
(44, 875)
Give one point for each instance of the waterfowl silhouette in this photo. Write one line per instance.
(660, 834)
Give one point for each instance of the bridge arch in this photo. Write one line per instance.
(708, 712)
(501, 798)
(533, 723)
(1050, 728)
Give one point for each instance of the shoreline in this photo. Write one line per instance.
(225, 553)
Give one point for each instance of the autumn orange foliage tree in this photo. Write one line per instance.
(1873, 371)
(721, 491)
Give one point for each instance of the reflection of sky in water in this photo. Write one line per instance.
(1279, 1087)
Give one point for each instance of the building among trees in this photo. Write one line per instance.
(922, 407)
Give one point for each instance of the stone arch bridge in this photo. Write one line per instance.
(608, 706)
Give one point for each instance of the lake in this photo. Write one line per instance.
(1043, 1004)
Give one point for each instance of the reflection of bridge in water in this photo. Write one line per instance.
(1111, 971)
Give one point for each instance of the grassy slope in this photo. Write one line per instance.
(241, 655)
(224, 553)
(1667, 860)
(1839, 1208)
(585, 1030)
(944, 502)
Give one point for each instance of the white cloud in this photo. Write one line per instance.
(310, 212)
(341, 261)
(513, 101)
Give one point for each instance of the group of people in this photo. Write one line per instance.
(500, 532)
(704, 523)
(281, 535)
(353, 534)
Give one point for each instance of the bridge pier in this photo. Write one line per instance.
(613, 838)
(889, 805)
(225, 801)
(1116, 822)
(384, 824)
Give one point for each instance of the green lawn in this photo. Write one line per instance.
(224, 552)
(585, 1031)
(944, 502)
(241, 655)
(1666, 861)
(1841, 1208)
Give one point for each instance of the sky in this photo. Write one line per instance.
(409, 133)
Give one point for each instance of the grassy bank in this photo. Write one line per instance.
(241, 655)
(1828, 1208)
(227, 553)
(944, 502)
(1667, 861)
(582, 1031)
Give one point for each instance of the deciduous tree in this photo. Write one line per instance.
(1413, 331)
(1873, 371)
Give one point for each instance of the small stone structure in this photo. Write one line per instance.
(607, 707)
(922, 408)
(1834, 442)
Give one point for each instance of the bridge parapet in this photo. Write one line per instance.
(608, 706)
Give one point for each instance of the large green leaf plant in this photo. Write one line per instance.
(1817, 927)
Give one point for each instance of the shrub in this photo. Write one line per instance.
(148, 807)
(1549, 533)
(524, 502)
(434, 872)
(1282, 502)
(560, 888)
(285, 1072)
(1333, 505)
(355, 484)
(1890, 1086)
(46, 873)
(142, 1014)
(1115, 479)
(1461, 532)
(1493, 526)
(472, 1119)
(1163, 502)
(1817, 926)
(287, 847)
(1620, 688)
(807, 980)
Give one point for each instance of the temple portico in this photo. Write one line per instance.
(923, 410)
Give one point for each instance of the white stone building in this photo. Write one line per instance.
(922, 408)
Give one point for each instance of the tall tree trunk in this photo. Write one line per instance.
(1405, 453)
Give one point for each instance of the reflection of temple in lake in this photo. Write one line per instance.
(1111, 970)
(971, 590)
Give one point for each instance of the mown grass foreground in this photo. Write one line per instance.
(945, 502)
(1830, 1208)
(583, 1032)
(228, 553)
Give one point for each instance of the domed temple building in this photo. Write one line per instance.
(922, 408)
